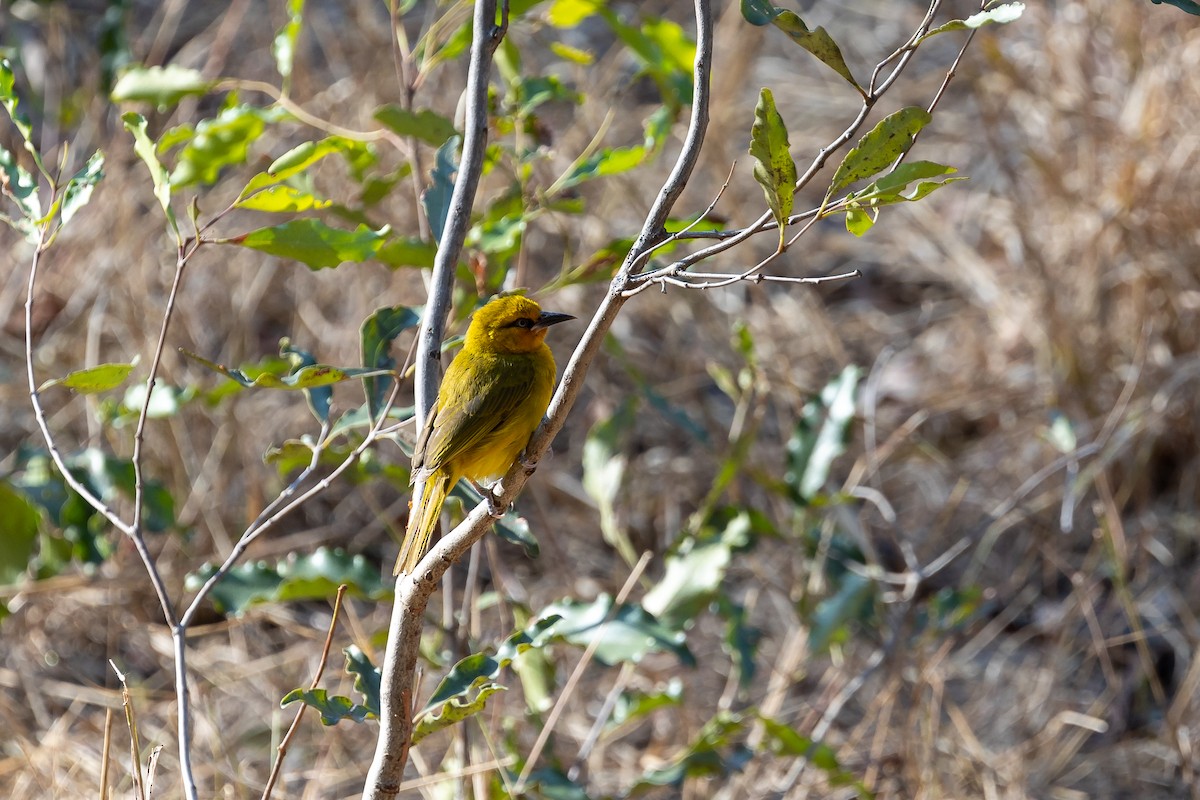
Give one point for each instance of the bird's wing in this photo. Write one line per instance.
(459, 422)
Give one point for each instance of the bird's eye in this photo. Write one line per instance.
(524, 322)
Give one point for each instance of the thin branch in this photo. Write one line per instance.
(281, 750)
(414, 590)
(577, 673)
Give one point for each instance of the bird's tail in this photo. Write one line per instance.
(422, 519)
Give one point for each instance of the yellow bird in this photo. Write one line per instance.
(492, 399)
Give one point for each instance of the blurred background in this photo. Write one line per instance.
(1021, 474)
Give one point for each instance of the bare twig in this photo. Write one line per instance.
(577, 673)
(281, 750)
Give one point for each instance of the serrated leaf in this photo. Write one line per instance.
(314, 243)
(478, 669)
(1008, 12)
(816, 41)
(99, 378)
(312, 576)
(367, 677)
(19, 522)
(428, 126)
(78, 190)
(774, 168)
(881, 146)
(162, 86)
(136, 124)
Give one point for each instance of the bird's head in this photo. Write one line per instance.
(511, 324)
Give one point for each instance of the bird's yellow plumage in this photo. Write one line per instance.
(490, 402)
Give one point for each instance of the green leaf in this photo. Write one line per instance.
(287, 199)
(1009, 12)
(512, 527)
(100, 378)
(820, 436)
(376, 335)
(19, 186)
(583, 58)
(604, 473)
(8, 98)
(759, 12)
(774, 168)
(436, 199)
(853, 602)
(162, 86)
(136, 124)
(615, 160)
(78, 190)
(305, 378)
(367, 677)
(314, 243)
(816, 41)
(425, 125)
(881, 146)
(283, 47)
(218, 142)
(712, 754)
(741, 640)
(19, 522)
(333, 708)
(479, 669)
(401, 251)
(630, 635)
(314, 576)
(455, 711)
(633, 705)
(569, 13)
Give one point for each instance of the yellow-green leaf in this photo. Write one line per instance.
(882, 145)
(816, 41)
(774, 168)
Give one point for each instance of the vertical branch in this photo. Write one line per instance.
(413, 591)
(395, 732)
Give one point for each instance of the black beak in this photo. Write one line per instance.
(548, 318)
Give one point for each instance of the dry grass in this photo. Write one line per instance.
(1064, 277)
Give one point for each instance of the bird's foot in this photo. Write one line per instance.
(529, 464)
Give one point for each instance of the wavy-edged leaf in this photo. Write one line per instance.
(774, 168)
(455, 711)
(816, 41)
(161, 86)
(312, 576)
(314, 243)
(880, 146)
(478, 669)
(862, 207)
